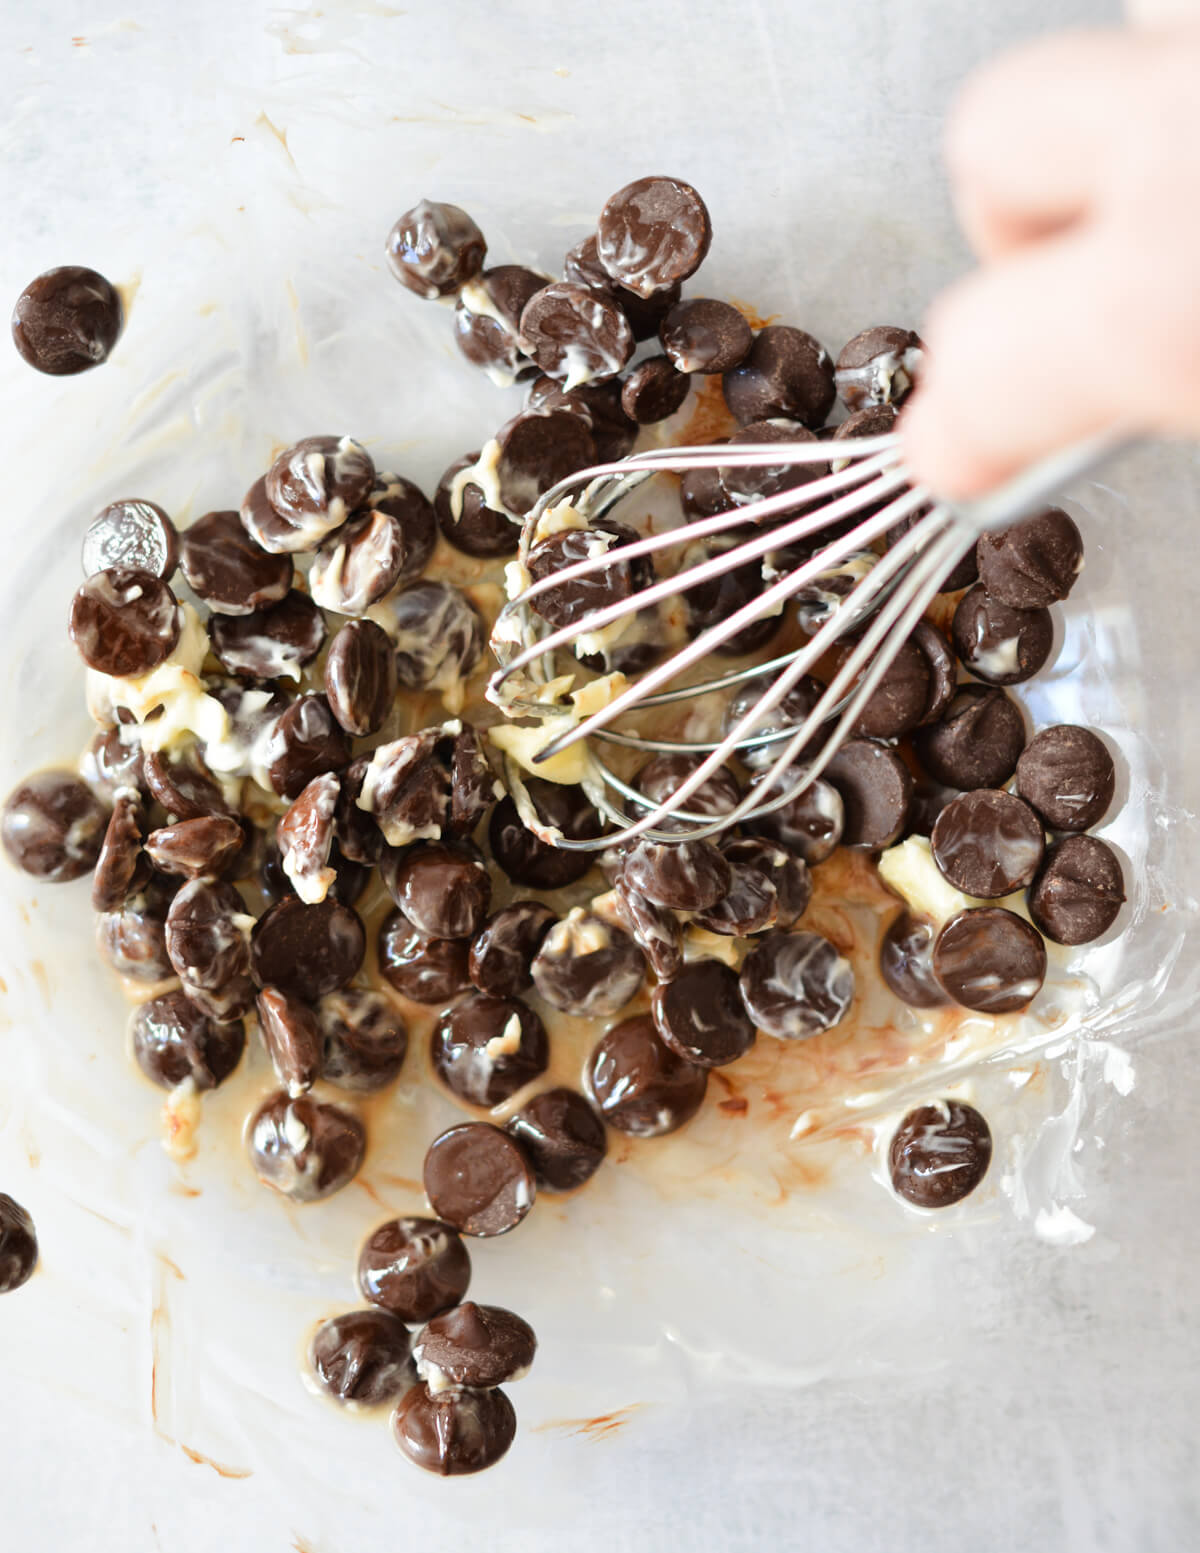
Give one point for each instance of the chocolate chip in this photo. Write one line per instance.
(789, 886)
(1079, 892)
(568, 602)
(563, 1138)
(976, 741)
(788, 714)
(475, 1345)
(587, 965)
(639, 1084)
(306, 950)
(1034, 563)
(67, 320)
(124, 622)
(681, 875)
(484, 1049)
(652, 234)
(898, 703)
(364, 1039)
(435, 248)
(478, 1180)
(709, 603)
(878, 366)
(575, 333)
(1000, 646)
(454, 1432)
(1068, 776)
(988, 843)
(228, 570)
(653, 391)
(487, 319)
(990, 960)
(121, 868)
(701, 494)
(305, 838)
(906, 961)
(443, 891)
(741, 486)
(272, 642)
(656, 931)
(18, 1245)
(360, 677)
(503, 949)
(112, 762)
(599, 404)
(413, 1267)
(266, 527)
(133, 939)
(305, 742)
(525, 858)
(290, 1035)
(53, 826)
(428, 970)
(206, 845)
(961, 575)
(795, 985)
(173, 1041)
(700, 1014)
(315, 485)
(927, 802)
(810, 825)
(359, 838)
(472, 786)
(786, 373)
(362, 1358)
(437, 633)
(465, 518)
(943, 671)
(306, 1149)
(386, 545)
(135, 534)
(581, 266)
(537, 449)
(184, 787)
(702, 335)
(207, 945)
(939, 1154)
(875, 787)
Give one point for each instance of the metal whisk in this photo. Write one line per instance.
(889, 600)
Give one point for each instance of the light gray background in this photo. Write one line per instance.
(1067, 1420)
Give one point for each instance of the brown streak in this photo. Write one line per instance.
(218, 1467)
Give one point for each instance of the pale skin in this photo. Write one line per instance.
(1074, 163)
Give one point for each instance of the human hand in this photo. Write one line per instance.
(1075, 167)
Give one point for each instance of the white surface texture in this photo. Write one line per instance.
(977, 1386)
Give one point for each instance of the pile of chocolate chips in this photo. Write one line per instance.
(241, 791)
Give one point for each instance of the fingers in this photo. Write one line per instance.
(1022, 359)
(1030, 133)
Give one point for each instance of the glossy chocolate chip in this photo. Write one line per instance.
(503, 949)
(662, 776)
(701, 494)
(360, 677)
(437, 633)
(184, 787)
(315, 485)
(534, 863)
(563, 1138)
(939, 1154)
(700, 1014)
(703, 335)
(810, 825)
(133, 939)
(1078, 894)
(478, 1179)
(290, 1035)
(228, 570)
(414, 1267)
(599, 404)
(306, 950)
(67, 320)
(1034, 563)
(364, 1040)
(990, 960)
(18, 1245)
(999, 645)
(537, 449)
(385, 545)
(795, 985)
(900, 700)
(121, 868)
(131, 533)
(305, 742)
(304, 836)
(875, 787)
(988, 843)
(124, 622)
(189, 848)
(173, 1041)
(207, 946)
(306, 1149)
(487, 319)
(786, 373)
(569, 602)
(484, 1048)
(435, 248)
(581, 266)
(271, 643)
(443, 891)
(943, 671)
(1068, 776)
(927, 802)
(428, 970)
(878, 366)
(975, 742)
(474, 1345)
(742, 485)
(906, 961)
(362, 1358)
(575, 333)
(587, 965)
(656, 930)
(653, 391)
(113, 760)
(641, 1086)
(652, 234)
(771, 888)
(465, 518)
(53, 826)
(681, 875)
(454, 1432)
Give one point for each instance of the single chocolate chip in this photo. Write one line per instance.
(927, 802)
(443, 891)
(67, 320)
(266, 527)
(315, 485)
(786, 373)
(653, 391)
(428, 970)
(363, 1037)
(290, 1035)
(269, 643)
(939, 1154)
(681, 875)
(662, 776)
(1068, 776)
(656, 930)
(208, 947)
(305, 838)
(18, 1245)
(652, 234)
(434, 249)
(228, 570)
(534, 863)
(990, 960)
(741, 486)
(437, 633)
(133, 939)
(473, 788)
(206, 845)
(708, 604)
(639, 1084)
(988, 843)
(878, 366)
(943, 671)
(132, 533)
(1034, 563)
(877, 420)
(701, 494)
(906, 961)
(702, 335)
(454, 1432)
(173, 1041)
(700, 1015)
(305, 742)
(415, 1268)
(569, 602)
(477, 1178)
(961, 575)
(771, 888)
(588, 966)
(795, 985)
(503, 949)
(360, 677)
(487, 319)
(474, 1345)
(875, 787)
(385, 545)
(362, 1358)
(53, 826)
(484, 1049)
(563, 1138)
(124, 622)
(306, 950)
(113, 761)
(899, 702)
(976, 741)
(581, 266)
(1000, 646)
(465, 518)
(575, 333)
(810, 825)
(359, 838)
(537, 449)
(186, 788)
(599, 404)
(1079, 892)
(786, 716)
(306, 1149)
(122, 868)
